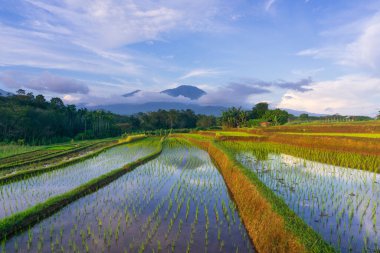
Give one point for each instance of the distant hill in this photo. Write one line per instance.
(4, 93)
(298, 113)
(129, 109)
(130, 94)
(188, 91)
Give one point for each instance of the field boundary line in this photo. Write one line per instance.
(48, 156)
(11, 225)
(23, 174)
(271, 224)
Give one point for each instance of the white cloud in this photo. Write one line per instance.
(44, 82)
(307, 72)
(233, 94)
(348, 95)
(268, 4)
(71, 99)
(200, 72)
(362, 51)
(91, 35)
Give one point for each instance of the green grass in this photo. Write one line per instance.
(7, 150)
(199, 136)
(232, 133)
(307, 236)
(47, 153)
(23, 174)
(62, 147)
(22, 220)
(344, 159)
(12, 149)
(359, 135)
(294, 224)
(332, 122)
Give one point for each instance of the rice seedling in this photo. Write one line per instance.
(337, 202)
(20, 195)
(358, 135)
(7, 150)
(165, 205)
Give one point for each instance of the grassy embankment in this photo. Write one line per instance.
(349, 137)
(48, 153)
(22, 220)
(333, 157)
(7, 150)
(23, 174)
(358, 135)
(271, 224)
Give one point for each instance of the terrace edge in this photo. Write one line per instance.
(275, 227)
(11, 225)
(23, 174)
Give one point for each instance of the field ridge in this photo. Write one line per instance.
(24, 219)
(276, 227)
(23, 174)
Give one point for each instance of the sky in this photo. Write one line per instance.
(319, 56)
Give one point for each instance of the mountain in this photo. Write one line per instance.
(4, 93)
(298, 113)
(130, 94)
(129, 109)
(188, 91)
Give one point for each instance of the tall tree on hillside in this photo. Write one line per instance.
(259, 110)
(57, 103)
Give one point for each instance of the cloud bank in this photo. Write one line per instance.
(351, 94)
(44, 82)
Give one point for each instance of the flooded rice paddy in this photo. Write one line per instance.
(341, 204)
(20, 195)
(175, 203)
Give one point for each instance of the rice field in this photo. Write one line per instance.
(235, 133)
(175, 203)
(20, 195)
(341, 204)
(358, 135)
(176, 200)
(12, 149)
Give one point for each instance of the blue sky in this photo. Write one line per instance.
(320, 56)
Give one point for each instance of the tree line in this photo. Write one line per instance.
(237, 117)
(26, 118)
(29, 119)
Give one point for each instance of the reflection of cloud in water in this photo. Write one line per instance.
(347, 196)
(326, 170)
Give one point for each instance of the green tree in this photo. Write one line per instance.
(234, 117)
(277, 116)
(205, 121)
(20, 92)
(304, 116)
(57, 103)
(40, 99)
(259, 110)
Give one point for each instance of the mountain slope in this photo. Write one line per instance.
(188, 91)
(4, 93)
(130, 94)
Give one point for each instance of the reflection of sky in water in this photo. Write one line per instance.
(143, 195)
(339, 203)
(18, 196)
